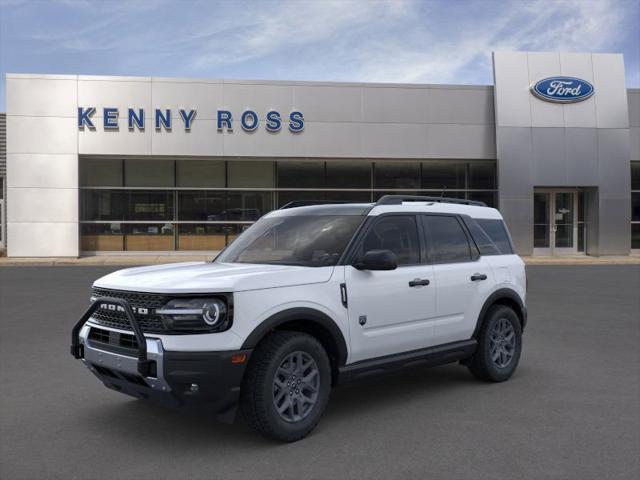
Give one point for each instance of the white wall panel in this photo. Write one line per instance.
(394, 140)
(580, 114)
(121, 141)
(42, 205)
(321, 103)
(115, 93)
(544, 114)
(511, 75)
(43, 171)
(44, 97)
(395, 105)
(205, 97)
(612, 109)
(42, 239)
(41, 135)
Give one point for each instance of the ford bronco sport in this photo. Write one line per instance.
(309, 297)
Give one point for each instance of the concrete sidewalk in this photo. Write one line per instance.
(126, 260)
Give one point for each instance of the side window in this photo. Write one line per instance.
(484, 243)
(497, 232)
(448, 242)
(397, 233)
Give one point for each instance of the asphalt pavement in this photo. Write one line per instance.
(572, 410)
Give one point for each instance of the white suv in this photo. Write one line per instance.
(309, 297)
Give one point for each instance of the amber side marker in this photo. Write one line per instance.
(239, 358)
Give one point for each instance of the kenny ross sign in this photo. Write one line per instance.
(162, 119)
(562, 89)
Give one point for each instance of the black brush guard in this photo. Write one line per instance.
(144, 365)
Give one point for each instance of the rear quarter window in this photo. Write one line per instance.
(497, 232)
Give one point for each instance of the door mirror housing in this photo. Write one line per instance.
(377, 260)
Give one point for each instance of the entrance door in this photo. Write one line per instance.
(555, 222)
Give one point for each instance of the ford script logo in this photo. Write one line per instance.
(562, 89)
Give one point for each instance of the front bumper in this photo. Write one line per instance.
(209, 380)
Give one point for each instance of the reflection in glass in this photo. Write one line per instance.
(301, 175)
(397, 175)
(148, 237)
(201, 205)
(149, 173)
(150, 205)
(439, 175)
(200, 173)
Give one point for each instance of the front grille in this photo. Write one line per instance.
(149, 323)
(112, 341)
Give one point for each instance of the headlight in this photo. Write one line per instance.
(195, 314)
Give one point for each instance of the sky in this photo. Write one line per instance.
(403, 41)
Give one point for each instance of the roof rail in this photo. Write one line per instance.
(398, 199)
(308, 203)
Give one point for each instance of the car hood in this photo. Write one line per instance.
(201, 277)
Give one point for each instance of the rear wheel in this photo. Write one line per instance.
(499, 345)
(286, 387)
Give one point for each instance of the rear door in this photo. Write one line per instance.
(463, 279)
(391, 311)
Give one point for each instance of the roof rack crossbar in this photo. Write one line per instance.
(398, 199)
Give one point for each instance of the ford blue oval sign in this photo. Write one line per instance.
(562, 89)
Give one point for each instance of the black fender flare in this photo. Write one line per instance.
(303, 314)
(502, 294)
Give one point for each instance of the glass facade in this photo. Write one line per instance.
(203, 204)
(635, 205)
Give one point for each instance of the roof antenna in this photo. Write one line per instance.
(444, 188)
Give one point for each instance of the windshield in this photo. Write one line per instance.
(305, 240)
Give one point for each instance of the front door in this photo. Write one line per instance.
(391, 311)
(555, 225)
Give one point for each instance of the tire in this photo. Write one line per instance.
(499, 345)
(269, 385)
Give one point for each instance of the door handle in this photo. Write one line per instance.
(478, 276)
(419, 282)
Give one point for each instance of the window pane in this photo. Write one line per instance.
(482, 175)
(103, 205)
(485, 244)
(150, 205)
(300, 174)
(312, 241)
(359, 197)
(635, 207)
(378, 195)
(247, 206)
(397, 175)
(581, 235)
(356, 174)
(200, 173)
(438, 175)
(148, 237)
(447, 241)
(201, 205)
(103, 172)
(96, 237)
(149, 173)
(398, 234)
(251, 174)
(487, 197)
(635, 175)
(635, 235)
(203, 236)
(497, 232)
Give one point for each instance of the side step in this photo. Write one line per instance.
(426, 357)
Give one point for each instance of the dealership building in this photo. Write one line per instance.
(130, 165)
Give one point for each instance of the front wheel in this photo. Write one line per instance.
(286, 386)
(499, 345)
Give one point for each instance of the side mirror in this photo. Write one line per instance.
(377, 260)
